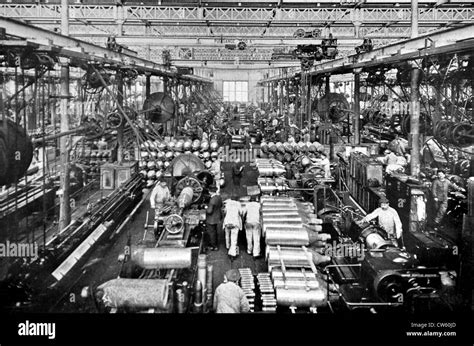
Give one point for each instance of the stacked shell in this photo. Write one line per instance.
(271, 176)
(156, 156)
(292, 234)
(292, 155)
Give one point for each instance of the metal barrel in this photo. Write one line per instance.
(297, 237)
(293, 274)
(301, 298)
(161, 257)
(290, 256)
(298, 284)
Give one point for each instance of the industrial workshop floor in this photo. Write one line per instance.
(103, 265)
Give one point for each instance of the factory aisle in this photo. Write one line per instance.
(221, 262)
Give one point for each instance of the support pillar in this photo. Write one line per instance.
(415, 123)
(281, 99)
(64, 203)
(308, 98)
(120, 129)
(327, 86)
(147, 85)
(356, 107)
(298, 121)
(437, 111)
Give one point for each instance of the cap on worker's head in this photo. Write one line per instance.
(387, 151)
(162, 183)
(232, 275)
(383, 199)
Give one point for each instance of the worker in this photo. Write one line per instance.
(102, 144)
(252, 227)
(306, 135)
(229, 134)
(199, 132)
(205, 136)
(292, 127)
(390, 157)
(237, 170)
(160, 195)
(439, 190)
(398, 145)
(326, 165)
(392, 162)
(388, 219)
(215, 169)
(187, 127)
(229, 296)
(401, 160)
(213, 217)
(274, 122)
(232, 226)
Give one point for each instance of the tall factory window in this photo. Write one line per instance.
(235, 91)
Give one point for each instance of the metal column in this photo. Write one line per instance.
(308, 98)
(298, 121)
(147, 85)
(415, 123)
(356, 108)
(64, 203)
(120, 104)
(280, 97)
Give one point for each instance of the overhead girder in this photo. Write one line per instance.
(312, 17)
(205, 30)
(247, 15)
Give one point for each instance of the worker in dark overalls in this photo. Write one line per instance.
(440, 190)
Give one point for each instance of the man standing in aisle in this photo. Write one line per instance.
(232, 226)
(237, 169)
(229, 296)
(388, 219)
(440, 189)
(213, 217)
(252, 228)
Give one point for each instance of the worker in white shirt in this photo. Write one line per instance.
(391, 160)
(326, 165)
(388, 219)
(252, 228)
(160, 195)
(216, 170)
(232, 225)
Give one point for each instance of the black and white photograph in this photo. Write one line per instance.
(275, 171)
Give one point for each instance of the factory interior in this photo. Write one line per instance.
(270, 157)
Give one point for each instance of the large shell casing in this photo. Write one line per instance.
(300, 297)
(296, 237)
(135, 293)
(161, 257)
